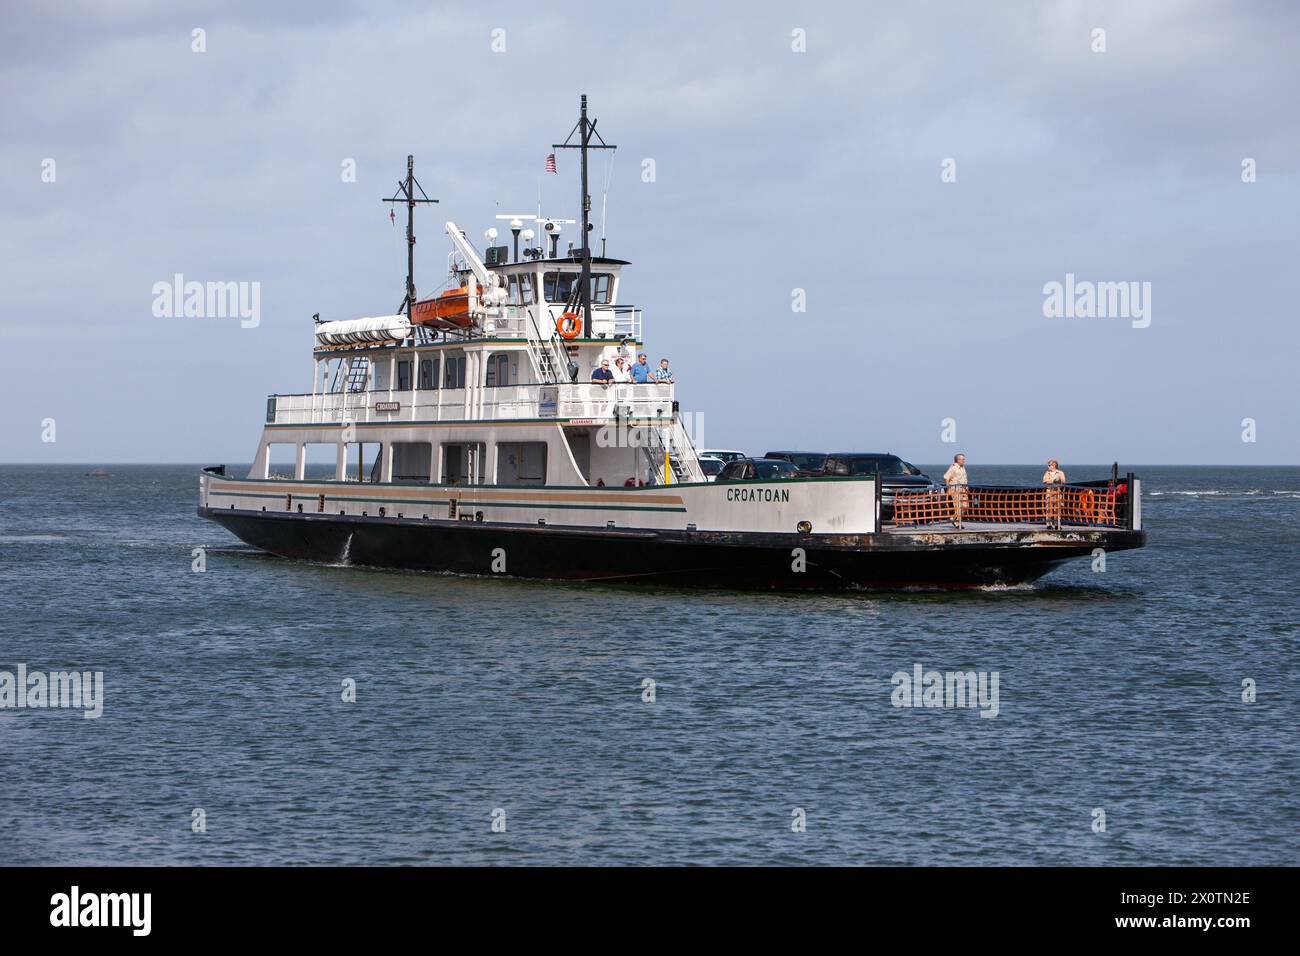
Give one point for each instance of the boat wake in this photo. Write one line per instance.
(1220, 493)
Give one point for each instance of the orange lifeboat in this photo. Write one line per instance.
(448, 309)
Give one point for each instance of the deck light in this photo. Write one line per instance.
(804, 527)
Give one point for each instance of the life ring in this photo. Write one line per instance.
(567, 325)
(1088, 505)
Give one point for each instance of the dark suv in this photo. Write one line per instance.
(809, 461)
(756, 469)
(895, 474)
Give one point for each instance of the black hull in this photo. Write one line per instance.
(747, 561)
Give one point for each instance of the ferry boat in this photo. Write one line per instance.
(495, 454)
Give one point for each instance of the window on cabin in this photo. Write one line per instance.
(520, 289)
(454, 372)
(498, 370)
(404, 375)
(428, 373)
(559, 286)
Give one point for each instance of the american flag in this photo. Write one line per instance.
(550, 163)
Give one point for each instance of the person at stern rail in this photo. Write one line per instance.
(1052, 495)
(642, 373)
(955, 479)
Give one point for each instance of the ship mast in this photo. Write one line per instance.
(406, 194)
(586, 130)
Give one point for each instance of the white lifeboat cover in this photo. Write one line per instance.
(380, 328)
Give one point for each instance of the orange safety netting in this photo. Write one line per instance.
(1050, 505)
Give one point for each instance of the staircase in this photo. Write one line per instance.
(549, 356)
(358, 373)
(673, 441)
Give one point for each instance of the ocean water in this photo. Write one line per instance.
(482, 699)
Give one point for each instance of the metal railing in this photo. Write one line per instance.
(589, 400)
(627, 322)
(579, 400)
(1101, 505)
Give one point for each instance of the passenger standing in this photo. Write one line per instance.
(955, 479)
(1052, 494)
(663, 374)
(642, 373)
(603, 376)
(620, 371)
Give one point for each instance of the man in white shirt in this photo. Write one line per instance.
(622, 374)
(955, 479)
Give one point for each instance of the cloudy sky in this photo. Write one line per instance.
(775, 170)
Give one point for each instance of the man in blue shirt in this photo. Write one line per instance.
(663, 374)
(641, 371)
(603, 375)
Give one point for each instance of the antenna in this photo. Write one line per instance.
(406, 194)
(604, 200)
(586, 130)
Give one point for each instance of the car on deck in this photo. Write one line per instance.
(895, 474)
(757, 469)
(723, 453)
(711, 466)
(810, 461)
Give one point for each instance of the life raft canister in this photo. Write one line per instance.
(567, 325)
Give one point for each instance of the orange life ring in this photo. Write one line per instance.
(567, 325)
(1088, 505)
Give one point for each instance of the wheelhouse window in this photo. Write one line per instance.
(520, 289)
(559, 286)
(404, 375)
